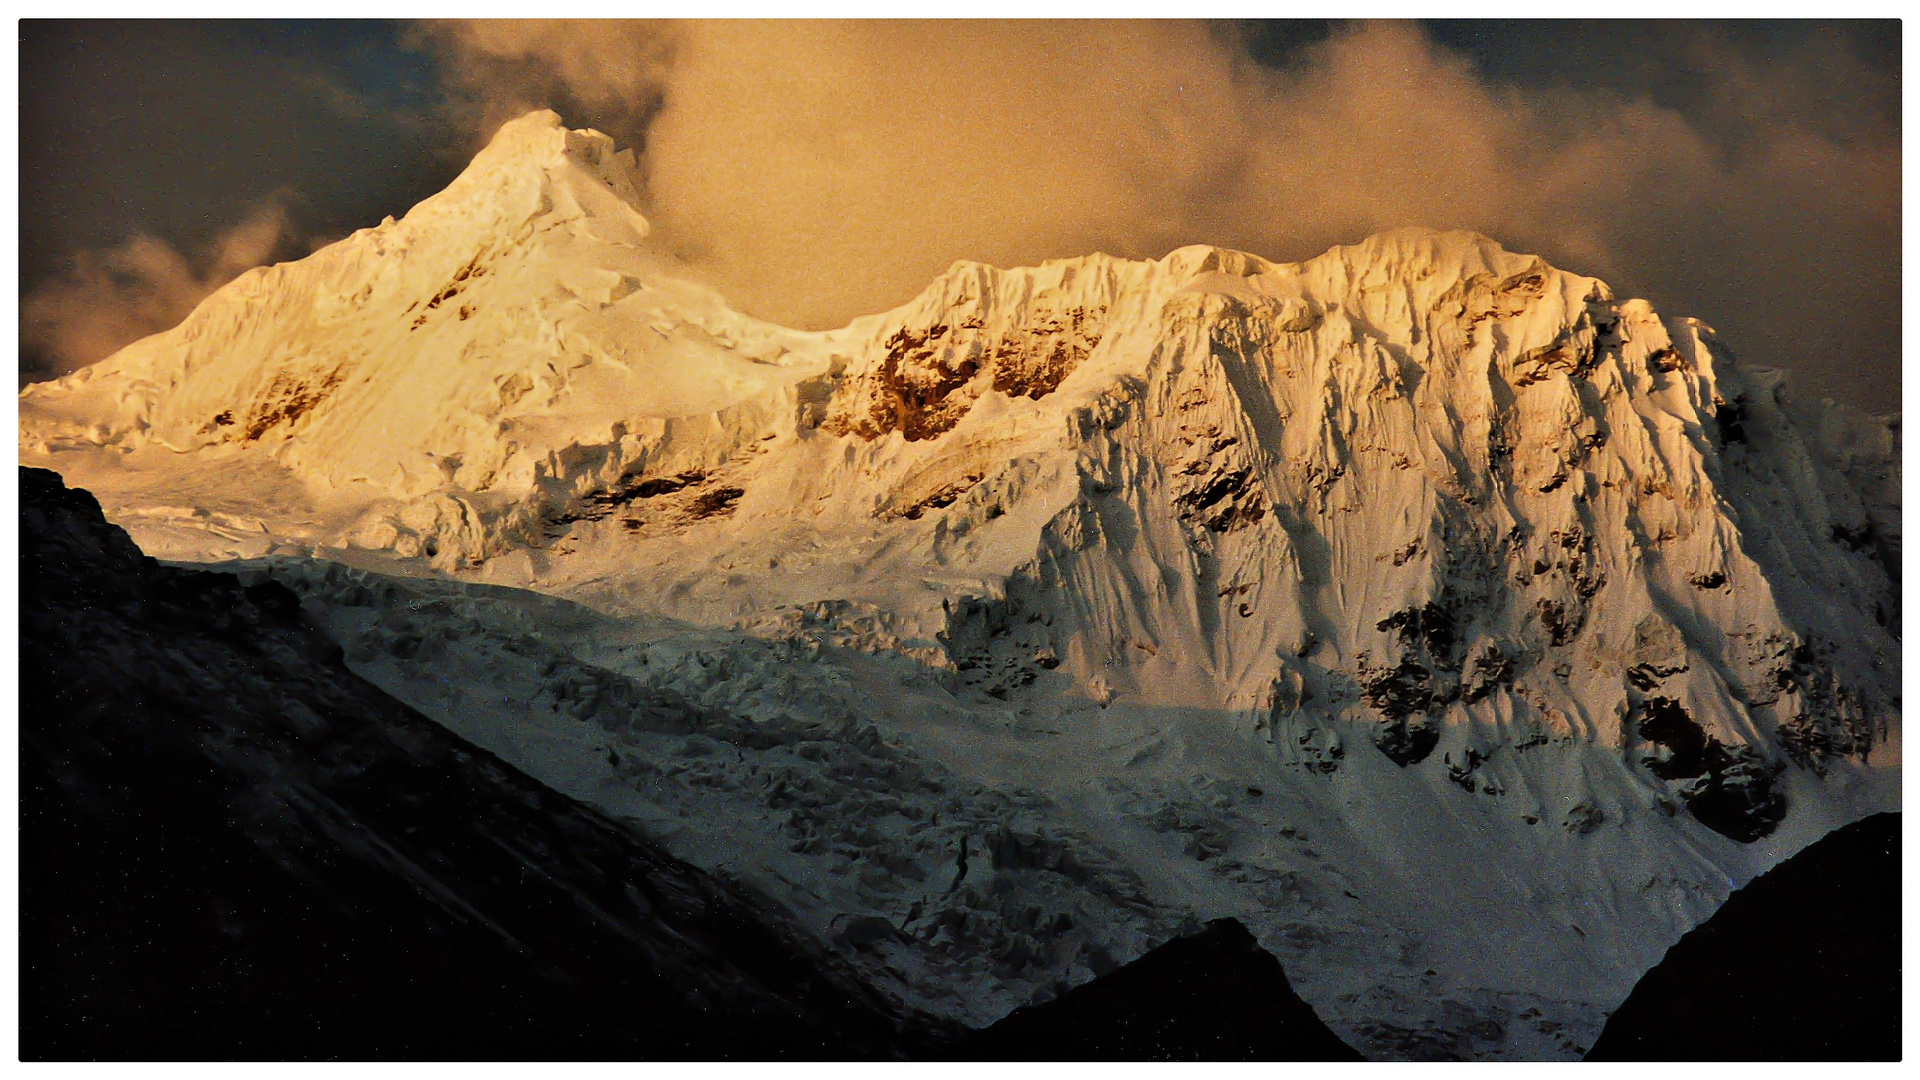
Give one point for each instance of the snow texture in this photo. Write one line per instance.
(1466, 632)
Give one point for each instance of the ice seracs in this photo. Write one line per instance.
(1424, 606)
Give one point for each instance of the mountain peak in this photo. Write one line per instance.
(536, 165)
(541, 140)
(538, 132)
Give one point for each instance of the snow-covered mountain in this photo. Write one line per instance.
(1467, 633)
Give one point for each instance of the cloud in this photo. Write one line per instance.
(605, 73)
(815, 171)
(110, 299)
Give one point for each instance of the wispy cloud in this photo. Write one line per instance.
(110, 299)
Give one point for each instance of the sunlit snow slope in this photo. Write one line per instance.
(1464, 631)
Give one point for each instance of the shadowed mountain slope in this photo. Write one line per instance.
(233, 847)
(1801, 965)
(1212, 996)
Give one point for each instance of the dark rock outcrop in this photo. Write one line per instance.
(1730, 789)
(1801, 965)
(1213, 996)
(233, 847)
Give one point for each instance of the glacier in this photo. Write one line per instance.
(1465, 631)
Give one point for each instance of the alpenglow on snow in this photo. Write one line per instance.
(1466, 632)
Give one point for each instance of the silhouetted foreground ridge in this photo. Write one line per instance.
(1212, 996)
(1801, 965)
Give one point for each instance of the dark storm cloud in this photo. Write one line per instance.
(1744, 173)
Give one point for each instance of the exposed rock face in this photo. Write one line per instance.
(1445, 549)
(1774, 975)
(233, 847)
(987, 331)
